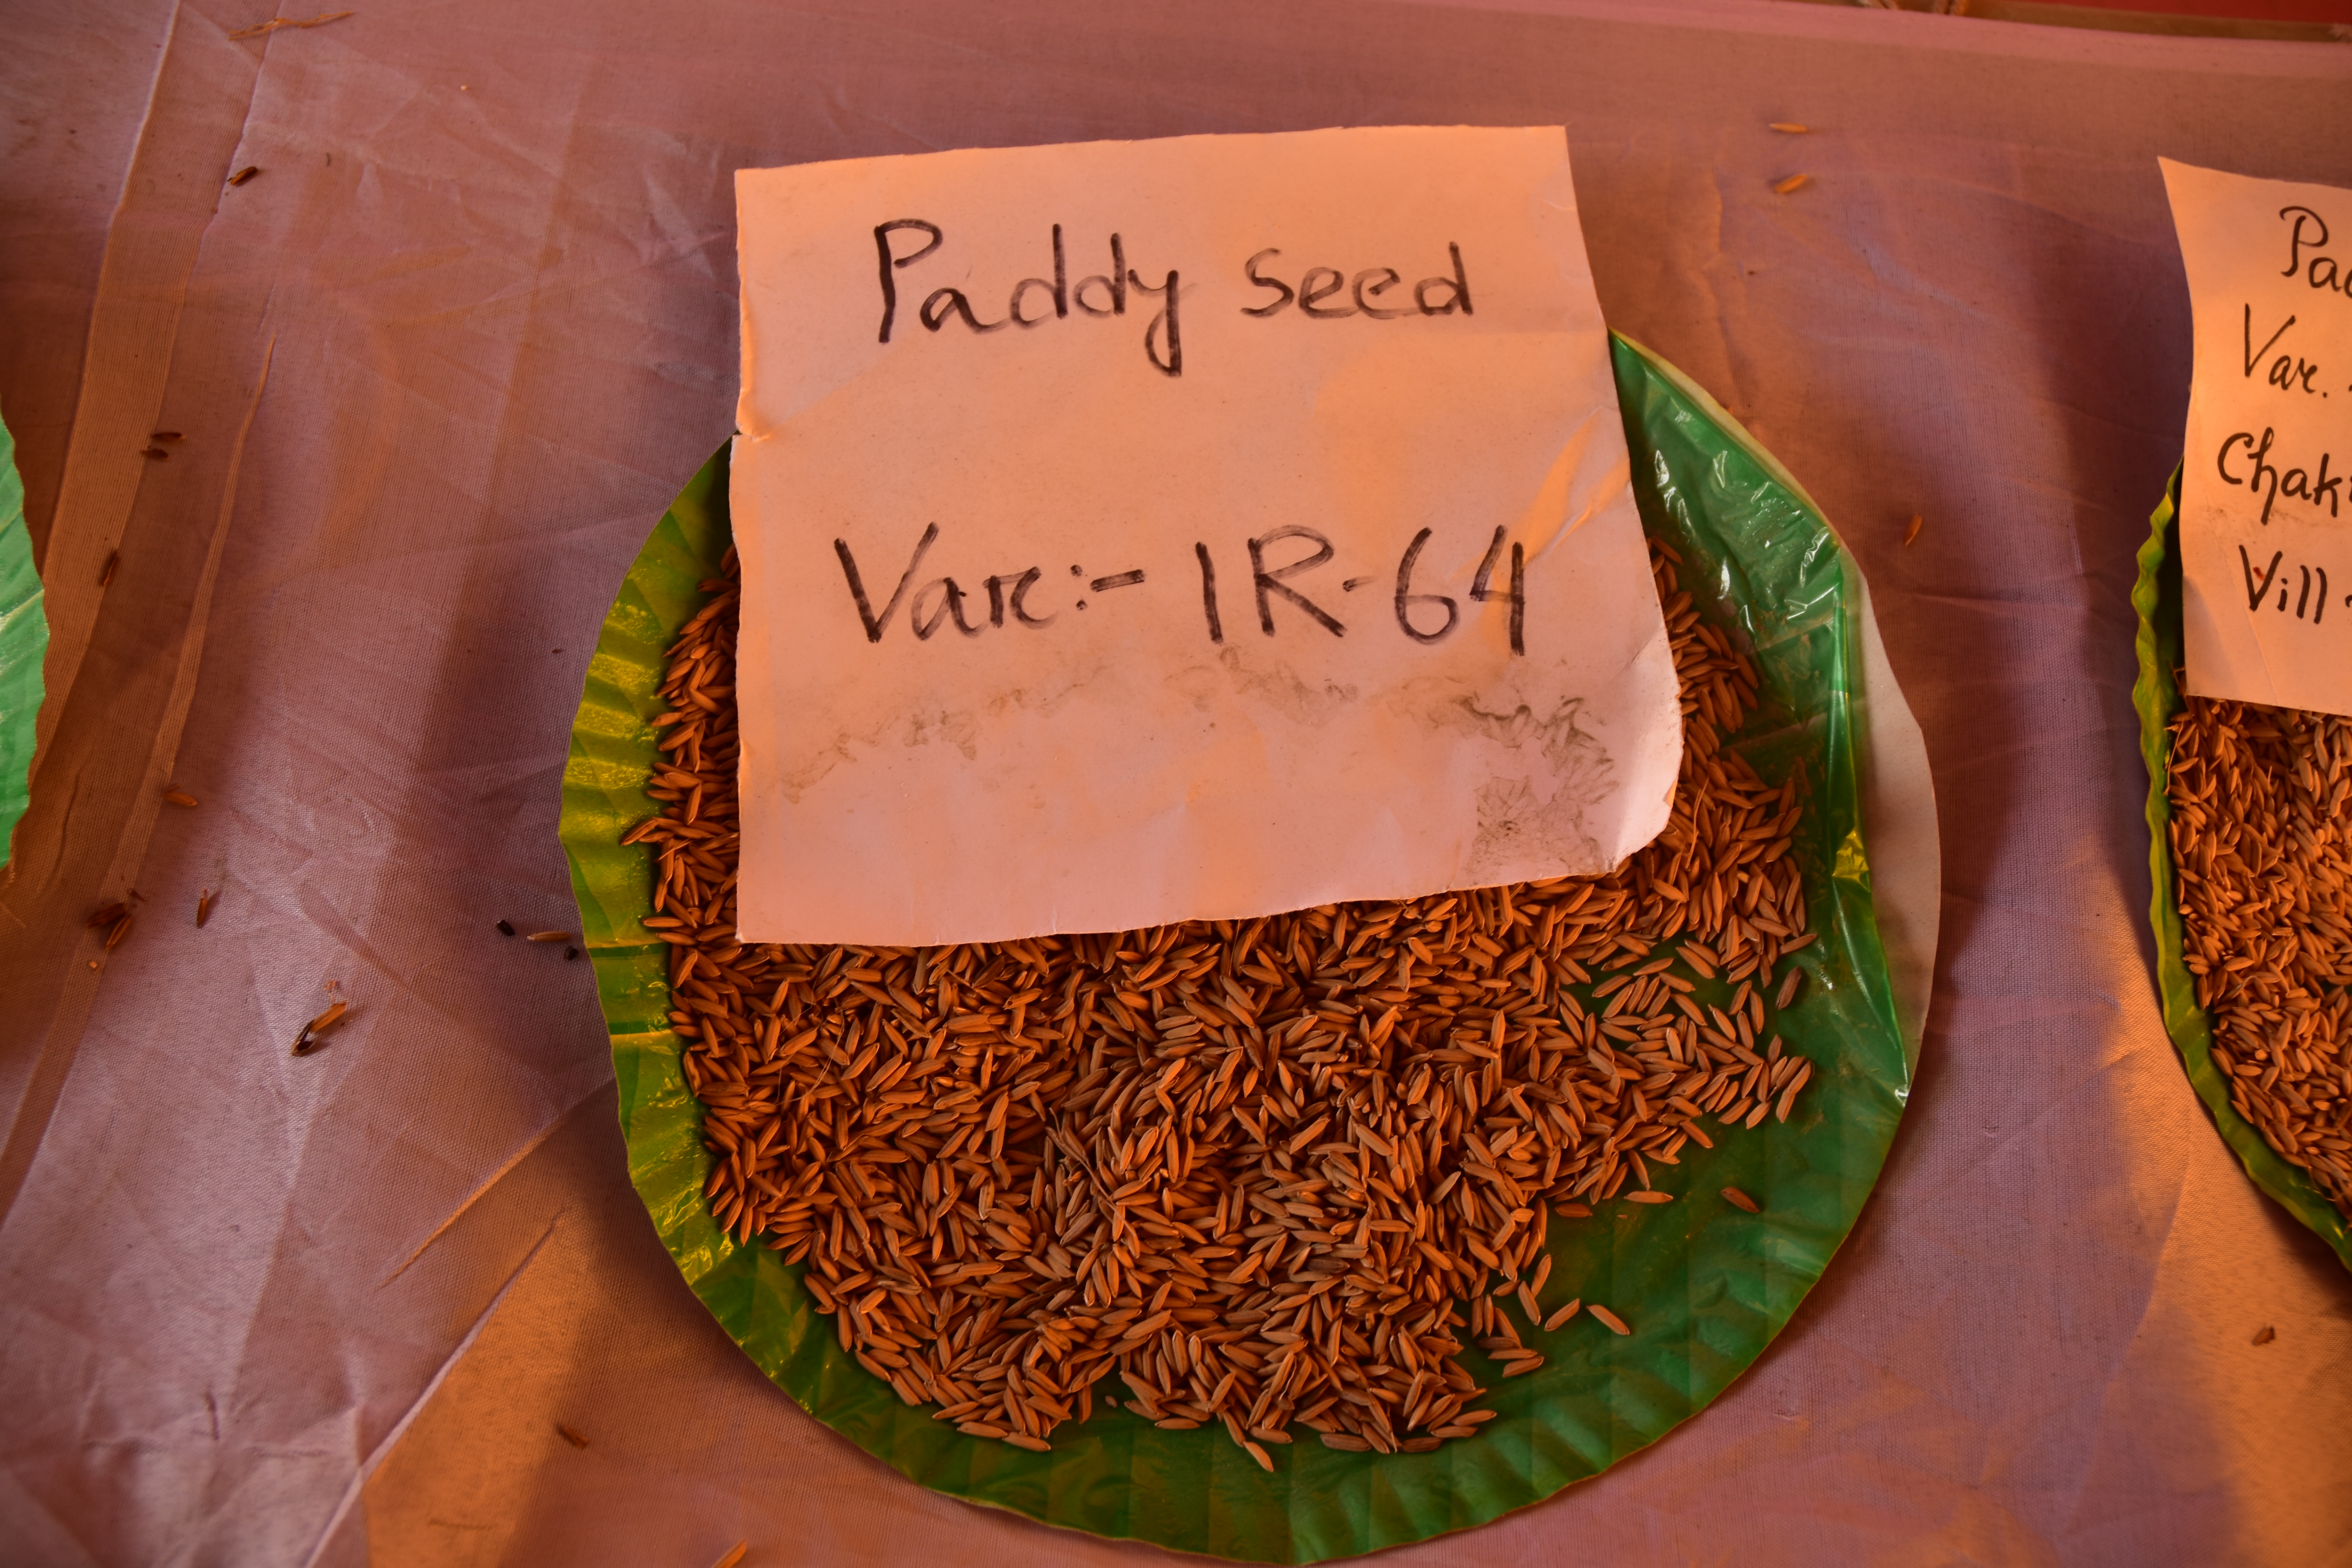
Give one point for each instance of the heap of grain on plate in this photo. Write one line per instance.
(2256, 780)
(1272, 1172)
(2259, 839)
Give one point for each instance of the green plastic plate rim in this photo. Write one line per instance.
(24, 644)
(1705, 1286)
(2155, 696)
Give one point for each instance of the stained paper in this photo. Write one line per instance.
(2265, 530)
(1195, 528)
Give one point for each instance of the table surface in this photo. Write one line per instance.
(444, 359)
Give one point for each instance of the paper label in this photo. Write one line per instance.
(1143, 532)
(2265, 530)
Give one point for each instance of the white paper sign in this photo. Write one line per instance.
(1143, 532)
(2265, 527)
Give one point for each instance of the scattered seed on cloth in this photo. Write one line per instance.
(314, 1032)
(275, 23)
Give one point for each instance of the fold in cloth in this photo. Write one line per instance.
(333, 1309)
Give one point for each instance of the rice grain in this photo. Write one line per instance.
(1265, 1173)
(2260, 840)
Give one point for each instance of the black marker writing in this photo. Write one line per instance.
(1363, 291)
(1209, 593)
(1318, 285)
(2289, 372)
(1459, 283)
(1097, 294)
(1114, 286)
(2255, 590)
(1059, 287)
(1388, 279)
(2254, 355)
(1480, 589)
(1324, 293)
(940, 301)
(1272, 581)
(1021, 586)
(2309, 232)
(2307, 579)
(1518, 598)
(1173, 363)
(1406, 598)
(2295, 483)
(2295, 240)
(943, 601)
(891, 263)
(949, 603)
(1249, 271)
(1485, 572)
(873, 622)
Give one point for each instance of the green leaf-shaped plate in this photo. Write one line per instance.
(24, 643)
(2155, 695)
(1704, 1285)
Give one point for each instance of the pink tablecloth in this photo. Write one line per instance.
(441, 360)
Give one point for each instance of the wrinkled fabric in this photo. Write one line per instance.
(441, 364)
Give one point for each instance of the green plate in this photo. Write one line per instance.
(1706, 1285)
(2157, 597)
(24, 643)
